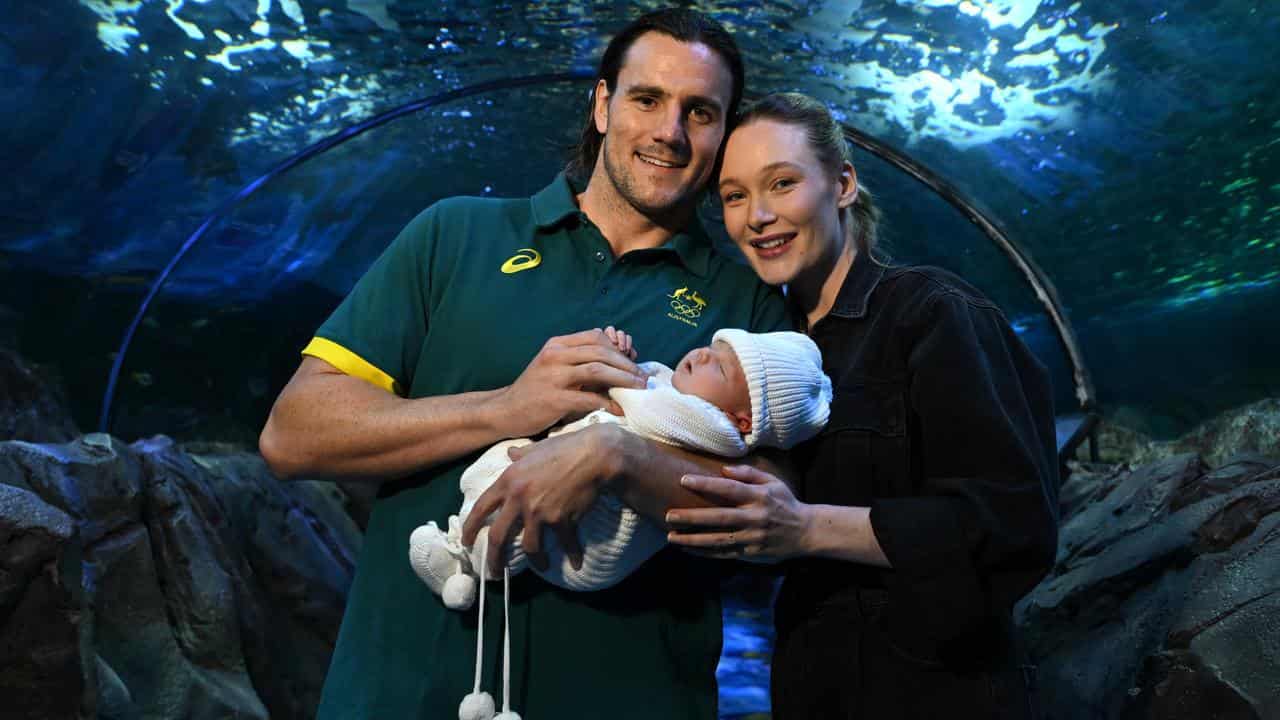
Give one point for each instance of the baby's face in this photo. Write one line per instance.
(714, 374)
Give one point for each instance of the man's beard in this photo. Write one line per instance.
(628, 188)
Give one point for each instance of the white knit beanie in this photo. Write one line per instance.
(790, 395)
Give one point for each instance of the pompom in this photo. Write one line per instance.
(476, 706)
(459, 592)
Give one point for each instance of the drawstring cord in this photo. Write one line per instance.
(480, 631)
(507, 712)
(479, 705)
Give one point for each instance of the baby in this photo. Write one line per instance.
(744, 390)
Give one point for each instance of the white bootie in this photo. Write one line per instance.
(442, 563)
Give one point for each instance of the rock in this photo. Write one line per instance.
(1137, 499)
(1254, 428)
(41, 611)
(114, 700)
(1089, 484)
(1251, 429)
(210, 589)
(1119, 442)
(1165, 597)
(1239, 470)
(32, 404)
(1176, 685)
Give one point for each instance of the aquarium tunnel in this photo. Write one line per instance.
(192, 186)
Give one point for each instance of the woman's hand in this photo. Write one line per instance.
(760, 519)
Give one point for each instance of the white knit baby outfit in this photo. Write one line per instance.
(790, 400)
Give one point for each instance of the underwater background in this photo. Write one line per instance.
(1131, 147)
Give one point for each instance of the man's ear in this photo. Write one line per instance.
(601, 108)
(742, 420)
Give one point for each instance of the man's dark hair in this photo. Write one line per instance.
(687, 26)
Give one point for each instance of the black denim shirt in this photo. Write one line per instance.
(942, 423)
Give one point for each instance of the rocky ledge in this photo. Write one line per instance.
(151, 580)
(1164, 599)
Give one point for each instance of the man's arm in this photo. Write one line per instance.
(328, 423)
(554, 482)
(646, 474)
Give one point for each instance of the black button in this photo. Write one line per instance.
(604, 290)
(599, 256)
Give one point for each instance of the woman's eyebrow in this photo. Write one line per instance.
(779, 165)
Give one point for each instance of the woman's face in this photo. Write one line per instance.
(781, 205)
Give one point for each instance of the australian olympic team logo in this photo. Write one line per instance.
(686, 306)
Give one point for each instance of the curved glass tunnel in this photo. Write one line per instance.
(268, 272)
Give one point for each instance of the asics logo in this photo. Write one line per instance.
(526, 259)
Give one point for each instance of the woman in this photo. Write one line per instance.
(926, 507)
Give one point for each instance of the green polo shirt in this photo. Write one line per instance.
(462, 300)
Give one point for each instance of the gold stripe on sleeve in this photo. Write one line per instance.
(351, 363)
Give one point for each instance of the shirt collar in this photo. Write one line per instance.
(864, 276)
(554, 203)
(558, 201)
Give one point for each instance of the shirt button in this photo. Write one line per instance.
(599, 256)
(604, 290)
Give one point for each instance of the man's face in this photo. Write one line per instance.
(663, 122)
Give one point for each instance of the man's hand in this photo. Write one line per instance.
(566, 380)
(551, 483)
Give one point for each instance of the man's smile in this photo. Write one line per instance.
(658, 162)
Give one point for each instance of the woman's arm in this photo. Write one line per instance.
(982, 523)
(756, 516)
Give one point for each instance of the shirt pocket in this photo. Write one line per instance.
(863, 451)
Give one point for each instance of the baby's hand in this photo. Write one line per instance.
(620, 340)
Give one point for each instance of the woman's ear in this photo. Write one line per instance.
(848, 185)
(742, 420)
(601, 107)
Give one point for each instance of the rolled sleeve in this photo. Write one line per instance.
(377, 332)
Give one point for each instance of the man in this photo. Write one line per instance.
(441, 350)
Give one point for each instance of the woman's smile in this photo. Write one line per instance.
(773, 245)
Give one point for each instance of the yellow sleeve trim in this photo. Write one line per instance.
(351, 363)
